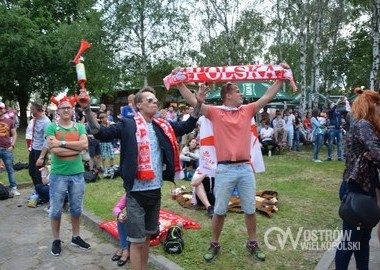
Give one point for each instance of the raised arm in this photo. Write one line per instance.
(90, 117)
(268, 96)
(270, 93)
(192, 99)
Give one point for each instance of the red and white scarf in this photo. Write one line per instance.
(145, 167)
(229, 74)
(207, 152)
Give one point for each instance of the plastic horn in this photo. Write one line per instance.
(84, 45)
(81, 72)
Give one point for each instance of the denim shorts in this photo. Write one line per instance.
(227, 177)
(62, 185)
(143, 212)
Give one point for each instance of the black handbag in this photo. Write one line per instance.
(359, 210)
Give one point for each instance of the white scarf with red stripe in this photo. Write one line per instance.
(207, 152)
(145, 167)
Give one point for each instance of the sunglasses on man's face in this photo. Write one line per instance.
(152, 99)
(65, 108)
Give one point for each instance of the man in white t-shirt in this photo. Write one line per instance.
(267, 137)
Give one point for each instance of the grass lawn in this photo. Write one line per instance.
(308, 196)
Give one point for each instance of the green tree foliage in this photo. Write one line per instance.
(245, 44)
(37, 40)
(145, 32)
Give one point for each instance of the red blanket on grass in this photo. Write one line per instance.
(167, 219)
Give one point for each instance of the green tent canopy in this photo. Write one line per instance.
(251, 91)
(322, 98)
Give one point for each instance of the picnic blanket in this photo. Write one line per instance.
(167, 219)
(266, 202)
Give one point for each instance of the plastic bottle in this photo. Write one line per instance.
(81, 73)
(43, 172)
(33, 200)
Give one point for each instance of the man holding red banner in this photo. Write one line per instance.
(231, 123)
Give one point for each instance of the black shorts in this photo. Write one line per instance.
(93, 147)
(143, 211)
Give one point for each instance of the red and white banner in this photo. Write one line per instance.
(229, 74)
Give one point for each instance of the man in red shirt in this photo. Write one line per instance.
(8, 138)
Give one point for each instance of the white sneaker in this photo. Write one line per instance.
(317, 160)
(15, 192)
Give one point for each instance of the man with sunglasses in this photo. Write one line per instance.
(231, 123)
(8, 138)
(149, 154)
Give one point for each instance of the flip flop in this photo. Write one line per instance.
(116, 256)
(123, 259)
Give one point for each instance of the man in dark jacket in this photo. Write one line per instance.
(148, 155)
(335, 130)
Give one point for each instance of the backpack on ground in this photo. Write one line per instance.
(20, 166)
(173, 243)
(4, 193)
(90, 176)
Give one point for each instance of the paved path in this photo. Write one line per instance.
(25, 241)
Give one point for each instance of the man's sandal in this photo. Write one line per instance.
(253, 248)
(212, 251)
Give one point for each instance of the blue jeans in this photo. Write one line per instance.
(63, 185)
(362, 236)
(335, 133)
(297, 139)
(317, 145)
(7, 157)
(290, 133)
(227, 177)
(122, 231)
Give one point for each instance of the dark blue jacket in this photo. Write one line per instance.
(125, 130)
(335, 117)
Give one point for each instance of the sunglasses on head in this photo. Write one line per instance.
(227, 86)
(151, 99)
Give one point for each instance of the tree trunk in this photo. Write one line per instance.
(279, 32)
(303, 35)
(375, 46)
(317, 55)
(23, 101)
(338, 16)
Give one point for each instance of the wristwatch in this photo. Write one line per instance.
(63, 144)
